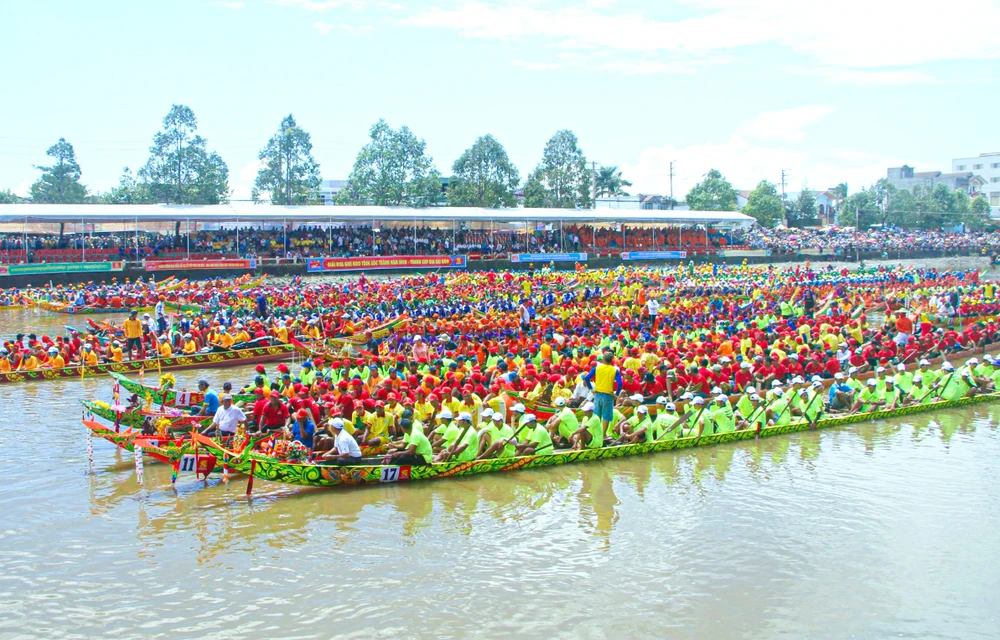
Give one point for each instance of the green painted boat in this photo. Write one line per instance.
(312, 475)
(134, 419)
(171, 397)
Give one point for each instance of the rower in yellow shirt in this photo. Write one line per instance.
(225, 340)
(241, 334)
(29, 362)
(115, 353)
(190, 346)
(166, 351)
(56, 360)
(89, 356)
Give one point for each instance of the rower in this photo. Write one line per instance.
(756, 417)
(869, 399)
(226, 419)
(414, 449)
(778, 410)
(721, 415)
(165, 350)
(465, 446)
(345, 449)
(563, 424)
(56, 361)
(919, 393)
(378, 424)
(493, 438)
(841, 394)
(641, 430)
(590, 435)
(536, 439)
(443, 425)
(667, 424)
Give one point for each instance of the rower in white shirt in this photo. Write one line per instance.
(227, 418)
(345, 448)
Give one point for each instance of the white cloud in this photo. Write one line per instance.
(746, 159)
(856, 35)
(536, 66)
(319, 6)
(243, 184)
(896, 77)
(325, 27)
(787, 125)
(23, 189)
(235, 6)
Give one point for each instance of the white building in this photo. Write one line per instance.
(328, 190)
(986, 165)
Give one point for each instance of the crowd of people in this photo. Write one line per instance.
(848, 241)
(487, 364)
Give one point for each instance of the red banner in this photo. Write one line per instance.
(181, 265)
(315, 265)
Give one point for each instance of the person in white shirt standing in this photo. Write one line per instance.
(652, 308)
(161, 316)
(227, 418)
(525, 316)
(345, 448)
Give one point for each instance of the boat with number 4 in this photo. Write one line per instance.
(314, 475)
(170, 397)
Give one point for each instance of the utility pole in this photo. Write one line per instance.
(593, 180)
(784, 204)
(672, 184)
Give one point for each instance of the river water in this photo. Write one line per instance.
(868, 531)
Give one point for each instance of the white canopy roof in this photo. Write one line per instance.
(251, 213)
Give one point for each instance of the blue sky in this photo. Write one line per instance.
(831, 92)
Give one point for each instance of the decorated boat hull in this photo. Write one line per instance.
(333, 476)
(197, 361)
(134, 419)
(170, 397)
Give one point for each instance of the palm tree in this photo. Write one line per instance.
(610, 183)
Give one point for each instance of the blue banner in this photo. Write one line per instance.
(548, 257)
(654, 255)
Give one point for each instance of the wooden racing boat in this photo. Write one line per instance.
(232, 358)
(135, 419)
(313, 475)
(170, 397)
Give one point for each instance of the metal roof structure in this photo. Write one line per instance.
(250, 213)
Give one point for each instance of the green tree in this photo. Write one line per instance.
(859, 210)
(903, 210)
(839, 194)
(805, 206)
(59, 182)
(180, 169)
(713, 193)
(610, 183)
(764, 205)
(9, 197)
(978, 215)
(129, 191)
(562, 175)
(483, 176)
(289, 173)
(392, 170)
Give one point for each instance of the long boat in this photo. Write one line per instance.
(135, 419)
(170, 397)
(314, 475)
(212, 359)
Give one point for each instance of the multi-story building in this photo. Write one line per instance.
(906, 178)
(986, 165)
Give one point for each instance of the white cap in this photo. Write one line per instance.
(852, 371)
(838, 376)
(947, 366)
(798, 380)
(872, 382)
(698, 400)
(924, 362)
(779, 392)
(815, 379)
(518, 407)
(641, 409)
(721, 398)
(901, 367)
(661, 400)
(416, 338)
(445, 413)
(497, 417)
(775, 384)
(587, 406)
(465, 415)
(487, 413)
(803, 392)
(918, 378)
(816, 383)
(793, 356)
(744, 365)
(725, 359)
(687, 395)
(559, 402)
(671, 406)
(972, 361)
(880, 370)
(716, 390)
(530, 417)
(636, 397)
(755, 397)
(337, 423)
(751, 389)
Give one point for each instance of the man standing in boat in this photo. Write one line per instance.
(133, 329)
(605, 379)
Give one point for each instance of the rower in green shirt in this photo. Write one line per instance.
(869, 399)
(903, 379)
(641, 430)
(919, 393)
(778, 411)
(929, 375)
(414, 447)
(666, 426)
(696, 418)
(563, 424)
(756, 417)
(721, 415)
(535, 441)
(590, 435)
